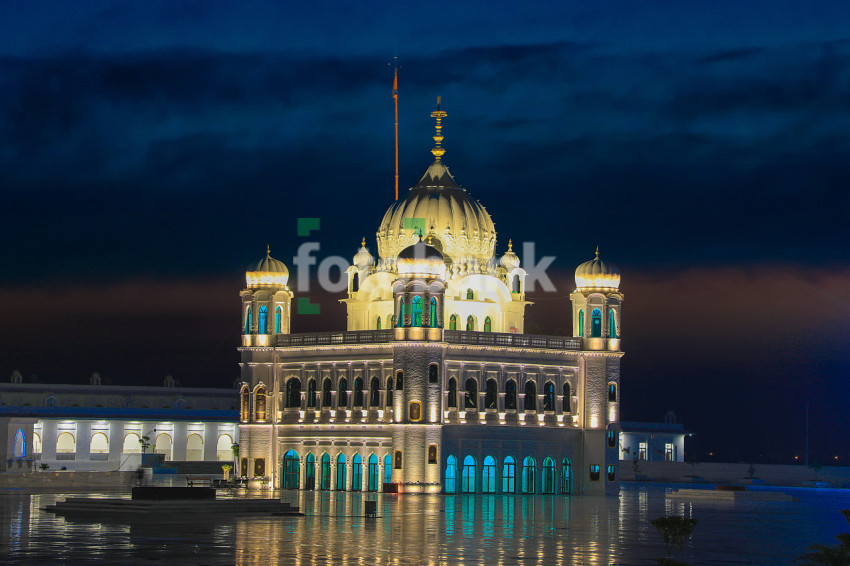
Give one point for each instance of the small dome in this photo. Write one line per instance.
(596, 274)
(510, 260)
(267, 272)
(421, 259)
(363, 259)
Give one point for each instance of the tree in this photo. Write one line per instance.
(674, 531)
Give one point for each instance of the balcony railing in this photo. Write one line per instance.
(511, 340)
(450, 336)
(335, 338)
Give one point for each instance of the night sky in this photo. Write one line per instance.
(150, 151)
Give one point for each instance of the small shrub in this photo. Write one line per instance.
(674, 531)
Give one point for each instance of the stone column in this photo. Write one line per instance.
(211, 442)
(83, 441)
(48, 440)
(179, 437)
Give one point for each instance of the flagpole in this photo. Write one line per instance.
(395, 98)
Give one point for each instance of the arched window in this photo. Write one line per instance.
(432, 319)
(433, 374)
(470, 323)
(452, 401)
(375, 393)
(400, 317)
(248, 320)
(389, 392)
(326, 472)
(399, 380)
(290, 470)
(342, 394)
(36, 443)
(416, 311)
(469, 295)
(388, 469)
(132, 444)
(327, 390)
(163, 445)
(358, 392)
(20, 448)
(510, 395)
(596, 323)
(260, 404)
(310, 472)
(529, 470)
(451, 475)
(488, 475)
(488, 325)
(549, 396)
(373, 475)
(355, 283)
(565, 402)
(491, 395)
(471, 394)
(357, 473)
(515, 284)
(245, 412)
(580, 323)
(612, 392)
(293, 392)
(530, 396)
(194, 448)
(566, 477)
(612, 324)
(262, 320)
(311, 393)
(224, 448)
(278, 319)
(379, 323)
(548, 475)
(453, 322)
(340, 472)
(509, 475)
(468, 481)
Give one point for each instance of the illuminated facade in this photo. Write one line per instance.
(433, 386)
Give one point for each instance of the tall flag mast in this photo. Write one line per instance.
(395, 98)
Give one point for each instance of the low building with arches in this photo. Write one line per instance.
(433, 385)
(100, 427)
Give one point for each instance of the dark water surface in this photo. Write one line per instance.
(432, 529)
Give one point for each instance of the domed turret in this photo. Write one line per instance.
(597, 274)
(268, 272)
(421, 259)
(363, 259)
(510, 260)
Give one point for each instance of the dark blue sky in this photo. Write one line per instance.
(149, 152)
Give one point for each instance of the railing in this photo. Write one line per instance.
(512, 340)
(451, 336)
(335, 338)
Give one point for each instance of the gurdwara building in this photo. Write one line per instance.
(433, 386)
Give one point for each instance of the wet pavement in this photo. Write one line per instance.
(431, 529)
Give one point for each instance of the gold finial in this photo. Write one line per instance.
(363, 243)
(510, 245)
(268, 250)
(438, 150)
(597, 252)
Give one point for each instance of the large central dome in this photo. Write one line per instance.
(440, 209)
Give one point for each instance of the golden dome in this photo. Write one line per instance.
(267, 272)
(421, 259)
(596, 274)
(438, 207)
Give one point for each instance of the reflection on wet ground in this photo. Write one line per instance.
(431, 529)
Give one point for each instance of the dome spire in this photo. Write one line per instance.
(597, 252)
(268, 250)
(438, 150)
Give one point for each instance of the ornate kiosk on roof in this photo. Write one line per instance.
(433, 387)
